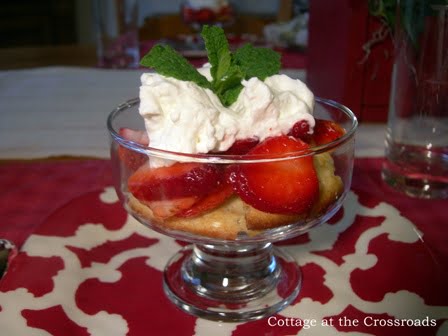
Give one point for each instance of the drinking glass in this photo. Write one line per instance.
(224, 276)
(417, 133)
(116, 26)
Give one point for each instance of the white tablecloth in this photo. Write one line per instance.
(63, 110)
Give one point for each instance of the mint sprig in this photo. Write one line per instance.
(227, 69)
(257, 62)
(226, 74)
(218, 52)
(168, 62)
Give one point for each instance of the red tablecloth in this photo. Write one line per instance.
(86, 268)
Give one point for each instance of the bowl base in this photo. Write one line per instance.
(232, 284)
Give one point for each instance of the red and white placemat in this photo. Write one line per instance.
(85, 267)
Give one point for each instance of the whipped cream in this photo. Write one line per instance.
(183, 117)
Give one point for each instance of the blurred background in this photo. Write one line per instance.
(340, 49)
(52, 24)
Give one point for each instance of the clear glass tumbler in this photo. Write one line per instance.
(417, 133)
(116, 28)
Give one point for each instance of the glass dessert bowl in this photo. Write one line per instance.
(199, 13)
(232, 207)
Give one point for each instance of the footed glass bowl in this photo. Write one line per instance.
(231, 271)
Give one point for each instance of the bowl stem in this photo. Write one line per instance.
(232, 282)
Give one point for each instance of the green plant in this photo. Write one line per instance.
(412, 14)
(385, 10)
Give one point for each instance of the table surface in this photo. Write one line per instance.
(38, 106)
(86, 268)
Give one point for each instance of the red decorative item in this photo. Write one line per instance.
(340, 66)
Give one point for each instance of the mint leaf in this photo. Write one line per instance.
(167, 62)
(232, 78)
(257, 62)
(228, 69)
(229, 87)
(230, 96)
(227, 76)
(218, 51)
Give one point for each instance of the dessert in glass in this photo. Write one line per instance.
(230, 172)
(198, 13)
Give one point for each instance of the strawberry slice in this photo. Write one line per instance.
(326, 131)
(187, 14)
(140, 137)
(176, 181)
(300, 130)
(225, 13)
(130, 158)
(168, 208)
(241, 147)
(204, 15)
(286, 187)
(209, 202)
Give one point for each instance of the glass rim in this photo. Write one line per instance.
(231, 158)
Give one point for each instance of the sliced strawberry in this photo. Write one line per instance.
(130, 158)
(140, 137)
(188, 14)
(300, 130)
(168, 208)
(326, 131)
(176, 181)
(205, 15)
(209, 202)
(225, 13)
(288, 186)
(241, 147)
